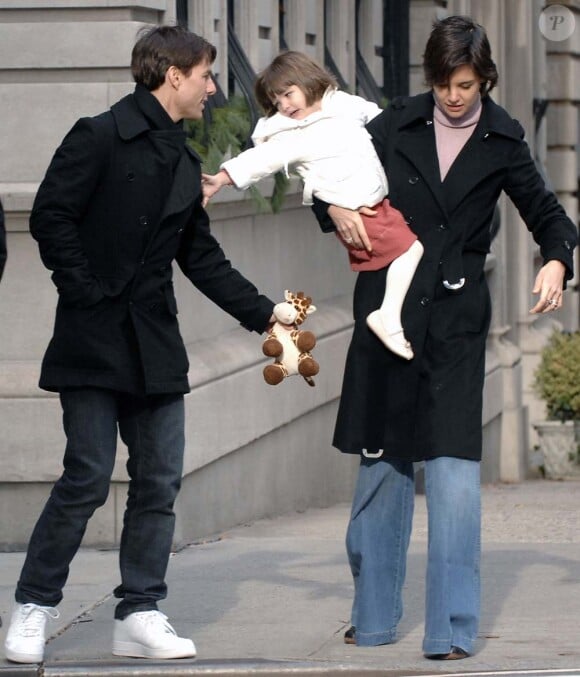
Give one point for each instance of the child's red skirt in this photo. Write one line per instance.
(390, 237)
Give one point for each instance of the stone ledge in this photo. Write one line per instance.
(160, 5)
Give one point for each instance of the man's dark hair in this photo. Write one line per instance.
(458, 41)
(160, 47)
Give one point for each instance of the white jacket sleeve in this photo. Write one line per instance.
(266, 159)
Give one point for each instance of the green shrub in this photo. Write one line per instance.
(557, 378)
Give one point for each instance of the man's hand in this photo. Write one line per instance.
(549, 285)
(350, 226)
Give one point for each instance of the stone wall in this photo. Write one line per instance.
(252, 450)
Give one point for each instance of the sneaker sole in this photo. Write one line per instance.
(135, 650)
(17, 657)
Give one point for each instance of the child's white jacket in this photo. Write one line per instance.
(330, 150)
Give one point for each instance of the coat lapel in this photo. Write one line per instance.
(417, 145)
(416, 142)
(474, 164)
(186, 185)
(480, 157)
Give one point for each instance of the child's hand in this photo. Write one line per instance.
(211, 184)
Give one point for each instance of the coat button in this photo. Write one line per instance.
(143, 220)
(413, 180)
(130, 176)
(424, 301)
(442, 226)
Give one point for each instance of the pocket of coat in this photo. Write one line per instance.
(476, 307)
(170, 301)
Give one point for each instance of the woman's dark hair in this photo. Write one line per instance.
(160, 47)
(458, 41)
(287, 69)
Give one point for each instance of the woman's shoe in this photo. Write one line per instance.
(349, 635)
(456, 654)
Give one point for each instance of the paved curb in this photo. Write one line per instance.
(233, 668)
(240, 668)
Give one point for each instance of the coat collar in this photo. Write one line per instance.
(129, 118)
(131, 122)
(418, 110)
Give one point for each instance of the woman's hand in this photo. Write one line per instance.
(549, 285)
(350, 227)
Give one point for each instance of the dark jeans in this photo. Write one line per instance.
(152, 427)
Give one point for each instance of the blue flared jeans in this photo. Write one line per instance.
(152, 427)
(378, 537)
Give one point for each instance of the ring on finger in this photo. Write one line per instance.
(553, 302)
(348, 240)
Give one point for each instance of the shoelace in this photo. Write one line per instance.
(32, 619)
(157, 619)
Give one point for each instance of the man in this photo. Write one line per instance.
(120, 201)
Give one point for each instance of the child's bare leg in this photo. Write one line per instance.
(386, 321)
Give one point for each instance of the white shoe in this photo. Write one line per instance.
(25, 639)
(396, 342)
(148, 634)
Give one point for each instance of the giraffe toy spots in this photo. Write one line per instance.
(287, 344)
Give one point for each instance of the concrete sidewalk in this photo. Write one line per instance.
(273, 597)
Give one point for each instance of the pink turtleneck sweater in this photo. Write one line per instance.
(451, 134)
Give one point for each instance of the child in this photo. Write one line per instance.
(321, 132)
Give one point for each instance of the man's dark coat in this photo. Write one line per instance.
(432, 405)
(100, 228)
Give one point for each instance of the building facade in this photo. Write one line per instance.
(254, 450)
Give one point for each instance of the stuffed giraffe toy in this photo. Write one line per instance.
(287, 344)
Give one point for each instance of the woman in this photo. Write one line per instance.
(448, 154)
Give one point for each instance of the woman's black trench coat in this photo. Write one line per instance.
(110, 233)
(432, 405)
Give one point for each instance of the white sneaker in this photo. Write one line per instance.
(25, 638)
(148, 634)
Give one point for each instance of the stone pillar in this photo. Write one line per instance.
(209, 18)
(562, 128)
(304, 27)
(341, 38)
(256, 23)
(370, 37)
(422, 14)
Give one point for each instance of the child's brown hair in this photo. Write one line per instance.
(287, 69)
